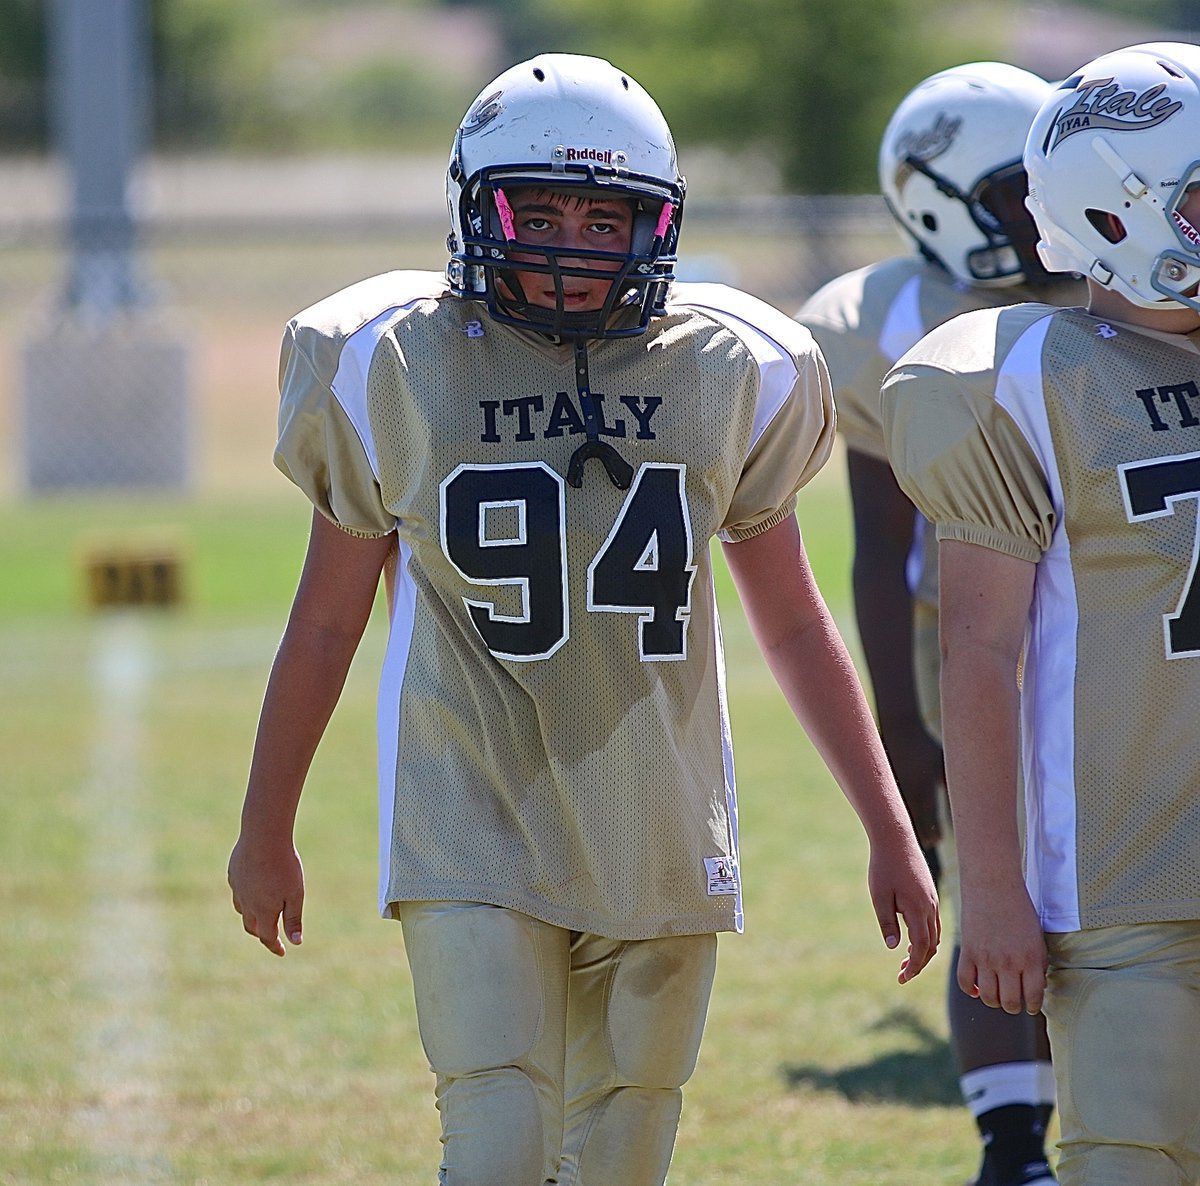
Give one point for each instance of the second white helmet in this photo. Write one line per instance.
(1112, 157)
(950, 170)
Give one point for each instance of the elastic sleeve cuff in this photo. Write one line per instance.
(989, 537)
(734, 535)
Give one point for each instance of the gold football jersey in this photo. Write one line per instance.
(1075, 443)
(553, 733)
(865, 320)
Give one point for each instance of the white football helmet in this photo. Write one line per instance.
(1111, 157)
(950, 170)
(564, 121)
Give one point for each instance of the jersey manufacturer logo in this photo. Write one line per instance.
(722, 875)
(1105, 331)
(1101, 105)
(473, 329)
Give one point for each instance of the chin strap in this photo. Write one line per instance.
(619, 471)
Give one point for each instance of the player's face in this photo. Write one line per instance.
(566, 220)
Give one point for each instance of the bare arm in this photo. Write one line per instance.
(883, 605)
(808, 658)
(985, 598)
(330, 612)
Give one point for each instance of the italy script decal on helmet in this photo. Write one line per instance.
(1101, 105)
(925, 146)
(482, 113)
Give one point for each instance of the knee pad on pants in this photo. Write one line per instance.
(1118, 1165)
(657, 1007)
(630, 1139)
(478, 975)
(492, 1130)
(1123, 1007)
(490, 986)
(1118, 1054)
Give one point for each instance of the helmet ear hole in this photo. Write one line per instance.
(1107, 224)
(929, 221)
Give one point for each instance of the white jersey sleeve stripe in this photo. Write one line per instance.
(349, 384)
(903, 327)
(739, 919)
(776, 367)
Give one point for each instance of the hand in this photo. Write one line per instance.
(1003, 960)
(268, 883)
(902, 887)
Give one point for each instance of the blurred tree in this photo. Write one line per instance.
(211, 61)
(232, 74)
(808, 86)
(803, 88)
(23, 113)
(1178, 15)
(208, 59)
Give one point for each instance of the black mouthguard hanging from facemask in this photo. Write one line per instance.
(619, 471)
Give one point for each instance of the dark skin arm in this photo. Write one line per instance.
(883, 536)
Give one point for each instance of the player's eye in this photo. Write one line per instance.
(535, 223)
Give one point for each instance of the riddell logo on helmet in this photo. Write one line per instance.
(1185, 228)
(1101, 105)
(601, 156)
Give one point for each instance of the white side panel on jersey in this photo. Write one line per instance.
(765, 331)
(391, 680)
(1049, 766)
(902, 327)
(349, 384)
(727, 754)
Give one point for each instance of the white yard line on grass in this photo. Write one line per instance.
(121, 1031)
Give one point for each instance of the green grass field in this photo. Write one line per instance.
(145, 1039)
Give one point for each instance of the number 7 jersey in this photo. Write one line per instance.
(1074, 443)
(553, 734)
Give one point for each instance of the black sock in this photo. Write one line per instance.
(1013, 1137)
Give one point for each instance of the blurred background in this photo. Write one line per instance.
(262, 155)
(177, 179)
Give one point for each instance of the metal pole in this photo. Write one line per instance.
(100, 111)
(105, 376)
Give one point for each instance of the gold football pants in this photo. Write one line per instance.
(1123, 1005)
(560, 1057)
